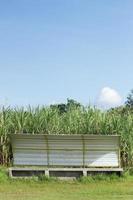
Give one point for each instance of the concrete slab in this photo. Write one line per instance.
(16, 172)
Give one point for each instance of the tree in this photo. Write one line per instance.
(72, 103)
(63, 108)
(129, 101)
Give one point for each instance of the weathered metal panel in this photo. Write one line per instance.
(66, 158)
(102, 151)
(29, 150)
(70, 142)
(66, 150)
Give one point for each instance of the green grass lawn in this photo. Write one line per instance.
(72, 190)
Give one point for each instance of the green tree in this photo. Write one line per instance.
(64, 107)
(72, 103)
(129, 101)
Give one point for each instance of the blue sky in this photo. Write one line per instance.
(51, 50)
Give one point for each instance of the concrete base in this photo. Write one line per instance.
(62, 173)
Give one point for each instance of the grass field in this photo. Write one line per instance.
(74, 190)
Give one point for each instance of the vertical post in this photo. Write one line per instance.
(47, 172)
(84, 172)
(10, 172)
(119, 156)
(47, 146)
(83, 149)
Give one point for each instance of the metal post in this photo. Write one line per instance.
(83, 149)
(47, 145)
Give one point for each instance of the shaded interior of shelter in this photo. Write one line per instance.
(31, 173)
(93, 173)
(58, 173)
(63, 173)
(27, 173)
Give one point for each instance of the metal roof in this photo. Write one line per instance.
(66, 150)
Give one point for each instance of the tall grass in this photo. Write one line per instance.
(78, 120)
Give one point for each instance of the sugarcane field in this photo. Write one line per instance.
(66, 100)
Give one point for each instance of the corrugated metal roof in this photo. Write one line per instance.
(66, 150)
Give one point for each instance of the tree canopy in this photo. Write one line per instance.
(129, 101)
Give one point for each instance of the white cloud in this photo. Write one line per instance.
(109, 97)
